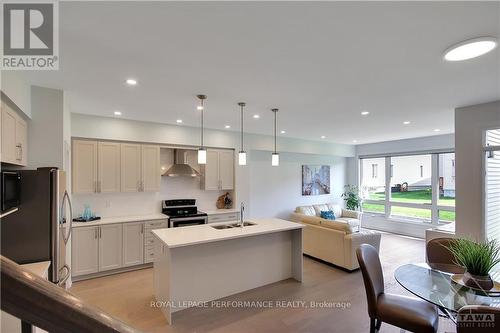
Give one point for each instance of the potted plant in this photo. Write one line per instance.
(478, 258)
(351, 197)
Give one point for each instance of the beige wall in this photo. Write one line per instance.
(470, 124)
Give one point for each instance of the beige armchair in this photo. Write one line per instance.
(334, 241)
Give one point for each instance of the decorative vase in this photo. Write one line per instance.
(478, 282)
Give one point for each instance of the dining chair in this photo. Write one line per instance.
(407, 313)
(440, 257)
(484, 319)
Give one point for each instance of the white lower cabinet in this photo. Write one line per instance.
(85, 251)
(223, 217)
(113, 246)
(133, 244)
(110, 246)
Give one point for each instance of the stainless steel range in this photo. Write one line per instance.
(183, 212)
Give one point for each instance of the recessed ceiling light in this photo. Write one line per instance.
(471, 48)
(227, 126)
(256, 116)
(354, 141)
(283, 132)
(365, 113)
(323, 137)
(406, 122)
(117, 113)
(179, 121)
(437, 130)
(131, 82)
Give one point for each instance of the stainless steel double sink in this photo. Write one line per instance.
(233, 225)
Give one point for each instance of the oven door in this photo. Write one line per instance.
(176, 222)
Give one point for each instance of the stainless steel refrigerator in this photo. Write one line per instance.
(38, 230)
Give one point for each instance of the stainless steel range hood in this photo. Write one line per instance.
(181, 169)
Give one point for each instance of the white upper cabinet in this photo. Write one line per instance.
(109, 167)
(84, 165)
(131, 167)
(14, 137)
(218, 173)
(151, 171)
(226, 169)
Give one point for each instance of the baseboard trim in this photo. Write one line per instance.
(111, 272)
(330, 264)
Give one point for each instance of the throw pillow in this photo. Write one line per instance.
(327, 214)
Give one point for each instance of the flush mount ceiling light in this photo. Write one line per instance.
(275, 157)
(323, 137)
(283, 132)
(365, 113)
(437, 130)
(256, 116)
(227, 126)
(242, 155)
(471, 48)
(202, 152)
(117, 113)
(131, 82)
(406, 122)
(179, 121)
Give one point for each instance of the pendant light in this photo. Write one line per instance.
(275, 157)
(202, 152)
(242, 155)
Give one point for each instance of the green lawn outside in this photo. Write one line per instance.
(418, 197)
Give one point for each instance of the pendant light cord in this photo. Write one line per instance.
(275, 129)
(202, 114)
(241, 127)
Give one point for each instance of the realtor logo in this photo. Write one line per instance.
(30, 36)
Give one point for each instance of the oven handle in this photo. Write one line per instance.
(172, 220)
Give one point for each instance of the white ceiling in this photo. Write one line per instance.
(321, 64)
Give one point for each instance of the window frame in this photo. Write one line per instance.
(434, 206)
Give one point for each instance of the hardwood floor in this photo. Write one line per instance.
(128, 296)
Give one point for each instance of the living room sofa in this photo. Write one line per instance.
(334, 241)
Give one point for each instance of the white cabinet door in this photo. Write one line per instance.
(9, 150)
(133, 244)
(109, 167)
(130, 167)
(84, 165)
(110, 247)
(21, 142)
(151, 170)
(226, 169)
(85, 251)
(210, 171)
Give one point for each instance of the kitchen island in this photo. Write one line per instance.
(197, 264)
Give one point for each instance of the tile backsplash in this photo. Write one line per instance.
(143, 203)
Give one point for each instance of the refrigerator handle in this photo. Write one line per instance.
(63, 280)
(67, 234)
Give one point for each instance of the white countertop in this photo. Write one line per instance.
(121, 219)
(220, 211)
(199, 234)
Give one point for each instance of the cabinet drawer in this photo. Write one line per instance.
(155, 224)
(149, 241)
(222, 217)
(149, 256)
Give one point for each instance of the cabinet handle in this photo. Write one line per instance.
(95, 233)
(100, 232)
(19, 152)
(142, 228)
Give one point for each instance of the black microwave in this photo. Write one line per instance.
(10, 190)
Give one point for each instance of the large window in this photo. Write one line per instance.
(373, 184)
(492, 184)
(417, 187)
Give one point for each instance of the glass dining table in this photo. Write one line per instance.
(437, 287)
